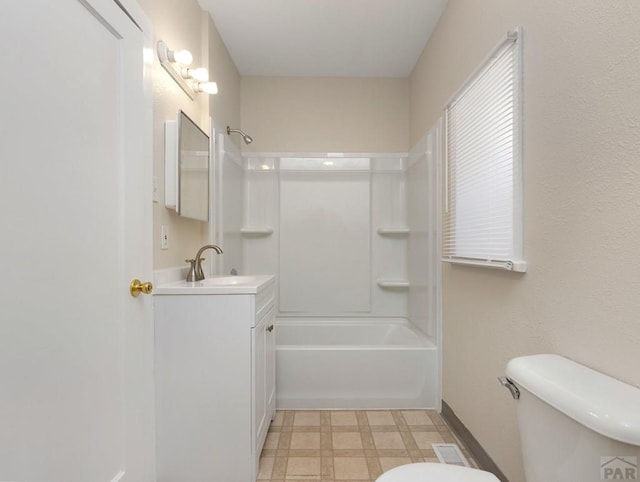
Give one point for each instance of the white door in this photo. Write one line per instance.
(75, 191)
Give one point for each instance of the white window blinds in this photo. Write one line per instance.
(483, 211)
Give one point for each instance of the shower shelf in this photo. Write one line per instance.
(392, 283)
(257, 230)
(393, 230)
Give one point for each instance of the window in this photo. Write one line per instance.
(483, 202)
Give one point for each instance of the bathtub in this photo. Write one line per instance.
(354, 364)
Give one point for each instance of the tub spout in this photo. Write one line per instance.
(195, 273)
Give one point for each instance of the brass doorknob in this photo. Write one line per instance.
(136, 287)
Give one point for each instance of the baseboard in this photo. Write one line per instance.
(479, 454)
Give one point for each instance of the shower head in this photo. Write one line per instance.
(247, 139)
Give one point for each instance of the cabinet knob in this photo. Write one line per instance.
(270, 328)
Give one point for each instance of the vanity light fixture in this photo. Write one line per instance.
(191, 80)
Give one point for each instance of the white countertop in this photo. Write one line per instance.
(217, 285)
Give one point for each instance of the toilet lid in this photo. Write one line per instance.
(427, 472)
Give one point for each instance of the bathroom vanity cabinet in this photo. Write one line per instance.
(215, 378)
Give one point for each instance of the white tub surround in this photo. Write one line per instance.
(351, 237)
(423, 248)
(228, 180)
(330, 225)
(354, 364)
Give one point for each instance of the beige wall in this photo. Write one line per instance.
(225, 106)
(225, 111)
(183, 25)
(293, 114)
(580, 296)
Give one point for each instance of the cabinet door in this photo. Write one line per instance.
(259, 336)
(263, 349)
(270, 367)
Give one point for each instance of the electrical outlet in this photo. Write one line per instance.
(164, 237)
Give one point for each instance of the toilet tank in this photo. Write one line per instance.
(576, 424)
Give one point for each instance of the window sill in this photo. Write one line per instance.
(517, 266)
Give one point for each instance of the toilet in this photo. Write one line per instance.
(428, 472)
(575, 424)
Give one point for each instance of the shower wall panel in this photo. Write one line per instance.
(260, 229)
(325, 231)
(229, 196)
(389, 242)
(423, 208)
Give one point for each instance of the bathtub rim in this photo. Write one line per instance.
(426, 342)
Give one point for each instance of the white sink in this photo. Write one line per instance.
(216, 285)
(229, 280)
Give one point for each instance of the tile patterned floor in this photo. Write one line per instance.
(350, 446)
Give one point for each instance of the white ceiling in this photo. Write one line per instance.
(337, 38)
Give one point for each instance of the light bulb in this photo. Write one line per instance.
(207, 87)
(183, 57)
(200, 74)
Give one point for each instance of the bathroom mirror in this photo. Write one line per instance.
(193, 170)
(187, 168)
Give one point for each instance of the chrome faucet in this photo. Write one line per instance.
(195, 270)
